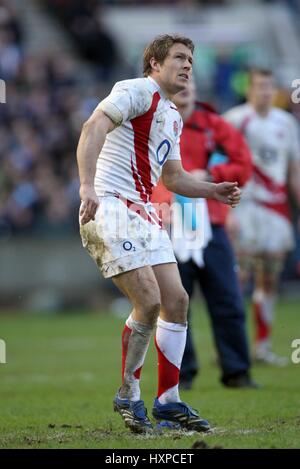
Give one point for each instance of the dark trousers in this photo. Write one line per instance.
(220, 286)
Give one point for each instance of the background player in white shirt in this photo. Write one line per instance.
(133, 137)
(262, 226)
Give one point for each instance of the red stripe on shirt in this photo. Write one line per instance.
(156, 218)
(282, 208)
(141, 127)
(245, 123)
(141, 211)
(138, 184)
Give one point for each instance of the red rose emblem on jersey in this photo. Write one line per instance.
(175, 128)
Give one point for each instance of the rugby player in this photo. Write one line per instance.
(262, 223)
(131, 139)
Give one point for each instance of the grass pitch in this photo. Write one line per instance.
(62, 372)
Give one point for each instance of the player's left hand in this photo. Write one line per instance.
(228, 193)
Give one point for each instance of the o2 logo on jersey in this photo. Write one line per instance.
(163, 151)
(268, 154)
(127, 245)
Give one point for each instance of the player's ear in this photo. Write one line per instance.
(155, 65)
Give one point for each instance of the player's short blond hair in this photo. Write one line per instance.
(159, 49)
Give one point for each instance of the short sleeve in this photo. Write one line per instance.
(175, 151)
(127, 100)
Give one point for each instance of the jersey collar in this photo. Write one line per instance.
(158, 88)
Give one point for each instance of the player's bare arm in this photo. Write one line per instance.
(91, 141)
(176, 179)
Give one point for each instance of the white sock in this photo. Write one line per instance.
(170, 344)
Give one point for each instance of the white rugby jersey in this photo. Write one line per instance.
(273, 141)
(149, 127)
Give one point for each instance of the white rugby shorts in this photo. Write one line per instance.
(262, 229)
(125, 236)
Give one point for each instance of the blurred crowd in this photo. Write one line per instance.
(82, 21)
(39, 127)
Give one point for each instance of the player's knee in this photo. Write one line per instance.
(270, 285)
(150, 310)
(272, 269)
(244, 267)
(184, 301)
(177, 307)
(154, 309)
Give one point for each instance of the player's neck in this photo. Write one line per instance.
(262, 111)
(166, 92)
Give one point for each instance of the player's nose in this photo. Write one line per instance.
(187, 66)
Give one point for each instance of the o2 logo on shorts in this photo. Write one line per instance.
(127, 245)
(163, 151)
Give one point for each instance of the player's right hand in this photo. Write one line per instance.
(228, 193)
(89, 204)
